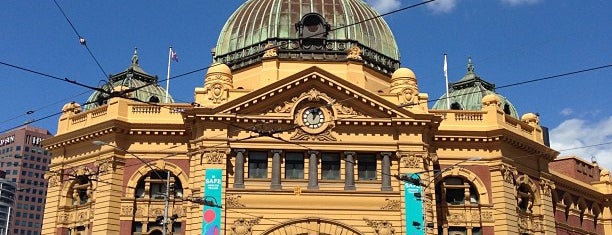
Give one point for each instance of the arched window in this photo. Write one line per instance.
(455, 106)
(81, 190)
(153, 99)
(525, 198)
(507, 109)
(457, 191)
(153, 185)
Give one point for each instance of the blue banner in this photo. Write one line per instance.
(415, 224)
(213, 184)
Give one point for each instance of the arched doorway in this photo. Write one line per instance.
(312, 225)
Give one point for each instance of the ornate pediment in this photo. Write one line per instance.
(313, 85)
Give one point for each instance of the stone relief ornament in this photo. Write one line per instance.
(326, 135)
(106, 166)
(487, 216)
(456, 218)
(126, 211)
(54, 179)
(381, 227)
(411, 160)
(391, 205)
(354, 53)
(508, 172)
(270, 50)
(243, 226)
(547, 186)
(233, 201)
(214, 157)
(180, 210)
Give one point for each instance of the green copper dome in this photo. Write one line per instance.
(259, 22)
(134, 76)
(467, 94)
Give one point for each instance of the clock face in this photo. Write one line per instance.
(313, 118)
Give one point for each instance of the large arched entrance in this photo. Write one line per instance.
(312, 225)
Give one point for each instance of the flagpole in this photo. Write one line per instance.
(448, 106)
(168, 76)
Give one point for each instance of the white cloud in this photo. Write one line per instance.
(519, 2)
(384, 6)
(578, 133)
(442, 6)
(567, 111)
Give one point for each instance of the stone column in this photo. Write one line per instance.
(313, 170)
(349, 171)
(386, 171)
(239, 169)
(276, 170)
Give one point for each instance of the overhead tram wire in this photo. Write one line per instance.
(314, 35)
(82, 40)
(519, 83)
(32, 111)
(276, 221)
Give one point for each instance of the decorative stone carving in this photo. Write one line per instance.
(508, 172)
(243, 226)
(486, 216)
(354, 53)
(180, 210)
(547, 186)
(106, 166)
(270, 50)
(54, 179)
(233, 201)
(64, 218)
(156, 211)
(214, 157)
(411, 160)
(391, 205)
(326, 135)
(126, 211)
(344, 110)
(312, 95)
(219, 80)
(140, 211)
(381, 227)
(456, 218)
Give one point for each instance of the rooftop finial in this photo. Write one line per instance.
(470, 66)
(135, 57)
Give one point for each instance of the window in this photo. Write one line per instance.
(81, 190)
(330, 166)
(294, 165)
(456, 189)
(258, 165)
(156, 181)
(525, 198)
(366, 167)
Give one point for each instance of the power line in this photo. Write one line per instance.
(81, 38)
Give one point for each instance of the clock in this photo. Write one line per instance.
(313, 118)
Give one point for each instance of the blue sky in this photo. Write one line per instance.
(509, 41)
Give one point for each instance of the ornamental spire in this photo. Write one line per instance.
(470, 66)
(135, 57)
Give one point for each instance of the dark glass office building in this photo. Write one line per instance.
(25, 162)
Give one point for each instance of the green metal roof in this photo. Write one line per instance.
(133, 76)
(467, 94)
(258, 20)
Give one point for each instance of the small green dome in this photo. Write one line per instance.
(133, 77)
(467, 94)
(258, 22)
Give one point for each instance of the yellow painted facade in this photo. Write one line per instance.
(315, 147)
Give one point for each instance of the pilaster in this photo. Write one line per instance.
(504, 199)
(107, 196)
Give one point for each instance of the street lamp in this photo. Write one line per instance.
(167, 193)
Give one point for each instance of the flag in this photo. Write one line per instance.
(445, 67)
(446, 77)
(173, 55)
